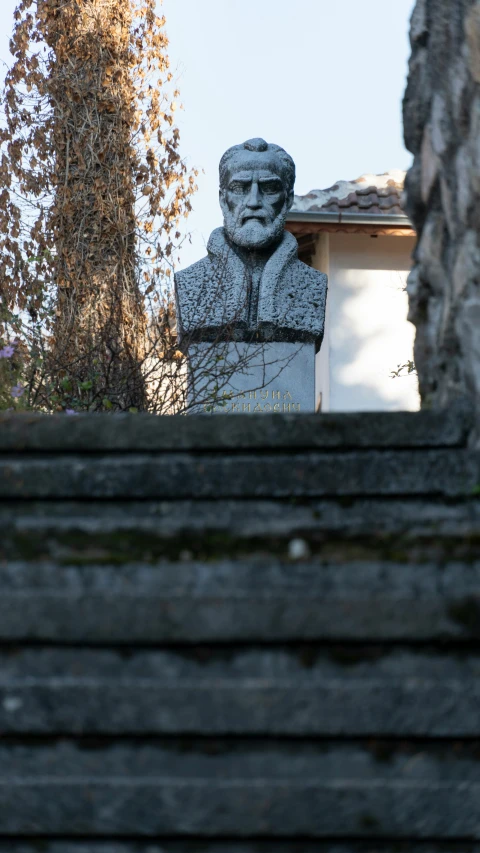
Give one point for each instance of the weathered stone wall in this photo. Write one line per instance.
(442, 130)
(239, 635)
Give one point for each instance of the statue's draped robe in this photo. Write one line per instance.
(232, 294)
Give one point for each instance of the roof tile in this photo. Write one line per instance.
(375, 194)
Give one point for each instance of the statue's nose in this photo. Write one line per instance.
(254, 199)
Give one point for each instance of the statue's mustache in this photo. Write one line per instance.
(241, 218)
(258, 217)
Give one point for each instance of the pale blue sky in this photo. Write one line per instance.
(322, 78)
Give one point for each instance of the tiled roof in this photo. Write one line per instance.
(374, 194)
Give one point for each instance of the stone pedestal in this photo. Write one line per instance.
(241, 378)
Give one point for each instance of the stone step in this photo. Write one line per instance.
(222, 846)
(261, 598)
(57, 433)
(249, 635)
(259, 790)
(450, 473)
(309, 691)
(158, 527)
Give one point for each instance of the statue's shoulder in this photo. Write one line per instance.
(195, 272)
(308, 276)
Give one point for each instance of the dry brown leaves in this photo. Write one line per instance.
(92, 185)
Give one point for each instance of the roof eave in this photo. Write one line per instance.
(386, 219)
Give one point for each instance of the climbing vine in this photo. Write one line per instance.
(93, 191)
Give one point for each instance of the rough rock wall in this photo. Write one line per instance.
(442, 130)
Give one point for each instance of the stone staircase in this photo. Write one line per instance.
(239, 635)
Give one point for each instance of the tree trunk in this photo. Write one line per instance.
(100, 323)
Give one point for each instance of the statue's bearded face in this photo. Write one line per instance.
(255, 200)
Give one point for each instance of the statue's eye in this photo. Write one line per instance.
(271, 187)
(237, 187)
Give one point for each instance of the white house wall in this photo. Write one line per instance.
(367, 333)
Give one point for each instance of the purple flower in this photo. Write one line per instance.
(70, 412)
(17, 391)
(7, 351)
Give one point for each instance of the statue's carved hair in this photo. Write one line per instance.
(288, 166)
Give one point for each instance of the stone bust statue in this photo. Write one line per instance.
(252, 286)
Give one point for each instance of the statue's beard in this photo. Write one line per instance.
(254, 234)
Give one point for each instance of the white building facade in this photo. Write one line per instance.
(358, 233)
